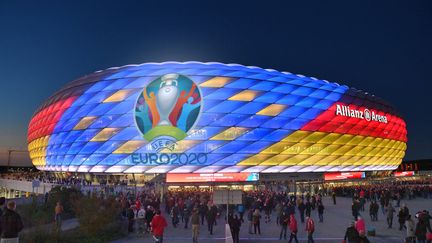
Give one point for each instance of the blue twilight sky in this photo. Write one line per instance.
(384, 47)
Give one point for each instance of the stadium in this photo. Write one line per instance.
(197, 117)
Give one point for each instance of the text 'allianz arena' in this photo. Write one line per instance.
(211, 117)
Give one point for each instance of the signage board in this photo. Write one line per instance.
(227, 196)
(332, 176)
(404, 173)
(211, 177)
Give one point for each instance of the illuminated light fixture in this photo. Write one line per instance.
(84, 168)
(137, 169)
(118, 96)
(161, 169)
(98, 168)
(116, 169)
(272, 110)
(85, 122)
(216, 82)
(274, 169)
(209, 169)
(185, 169)
(73, 168)
(292, 169)
(257, 168)
(230, 133)
(245, 95)
(105, 134)
(235, 168)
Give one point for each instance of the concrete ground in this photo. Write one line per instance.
(336, 220)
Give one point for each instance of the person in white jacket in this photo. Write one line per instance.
(140, 217)
(410, 229)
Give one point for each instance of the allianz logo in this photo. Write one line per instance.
(365, 114)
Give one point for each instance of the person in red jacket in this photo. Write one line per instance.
(310, 228)
(158, 225)
(293, 228)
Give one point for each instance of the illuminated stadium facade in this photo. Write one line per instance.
(210, 117)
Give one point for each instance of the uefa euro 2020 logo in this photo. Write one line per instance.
(167, 109)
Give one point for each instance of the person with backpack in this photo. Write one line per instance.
(256, 218)
(310, 228)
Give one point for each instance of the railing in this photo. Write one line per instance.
(26, 186)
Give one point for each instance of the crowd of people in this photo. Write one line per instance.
(148, 212)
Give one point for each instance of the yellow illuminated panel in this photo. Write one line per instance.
(308, 148)
(85, 122)
(230, 133)
(105, 134)
(245, 95)
(255, 159)
(118, 96)
(272, 110)
(216, 82)
(129, 147)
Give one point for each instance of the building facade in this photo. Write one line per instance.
(210, 117)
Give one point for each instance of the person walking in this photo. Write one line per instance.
(241, 210)
(256, 218)
(203, 212)
(402, 217)
(308, 208)
(235, 229)
(283, 221)
(301, 208)
(355, 210)
(141, 221)
(186, 216)
(334, 197)
(320, 212)
(410, 229)
(360, 226)
(310, 228)
(390, 211)
(175, 215)
(195, 222)
(293, 229)
(351, 234)
(158, 225)
(11, 224)
(250, 220)
(211, 218)
(420, 231)
(58, 211)
(131, 217)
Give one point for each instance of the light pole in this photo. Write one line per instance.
(10, 151)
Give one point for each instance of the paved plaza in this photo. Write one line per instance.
(336, 220)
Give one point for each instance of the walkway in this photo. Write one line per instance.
(336, 219)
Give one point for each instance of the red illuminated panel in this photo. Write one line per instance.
(333, 176)
(43, 123)
(329, 121)
(211, 177)
(403, 173)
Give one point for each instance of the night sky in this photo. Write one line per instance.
(383, 47)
